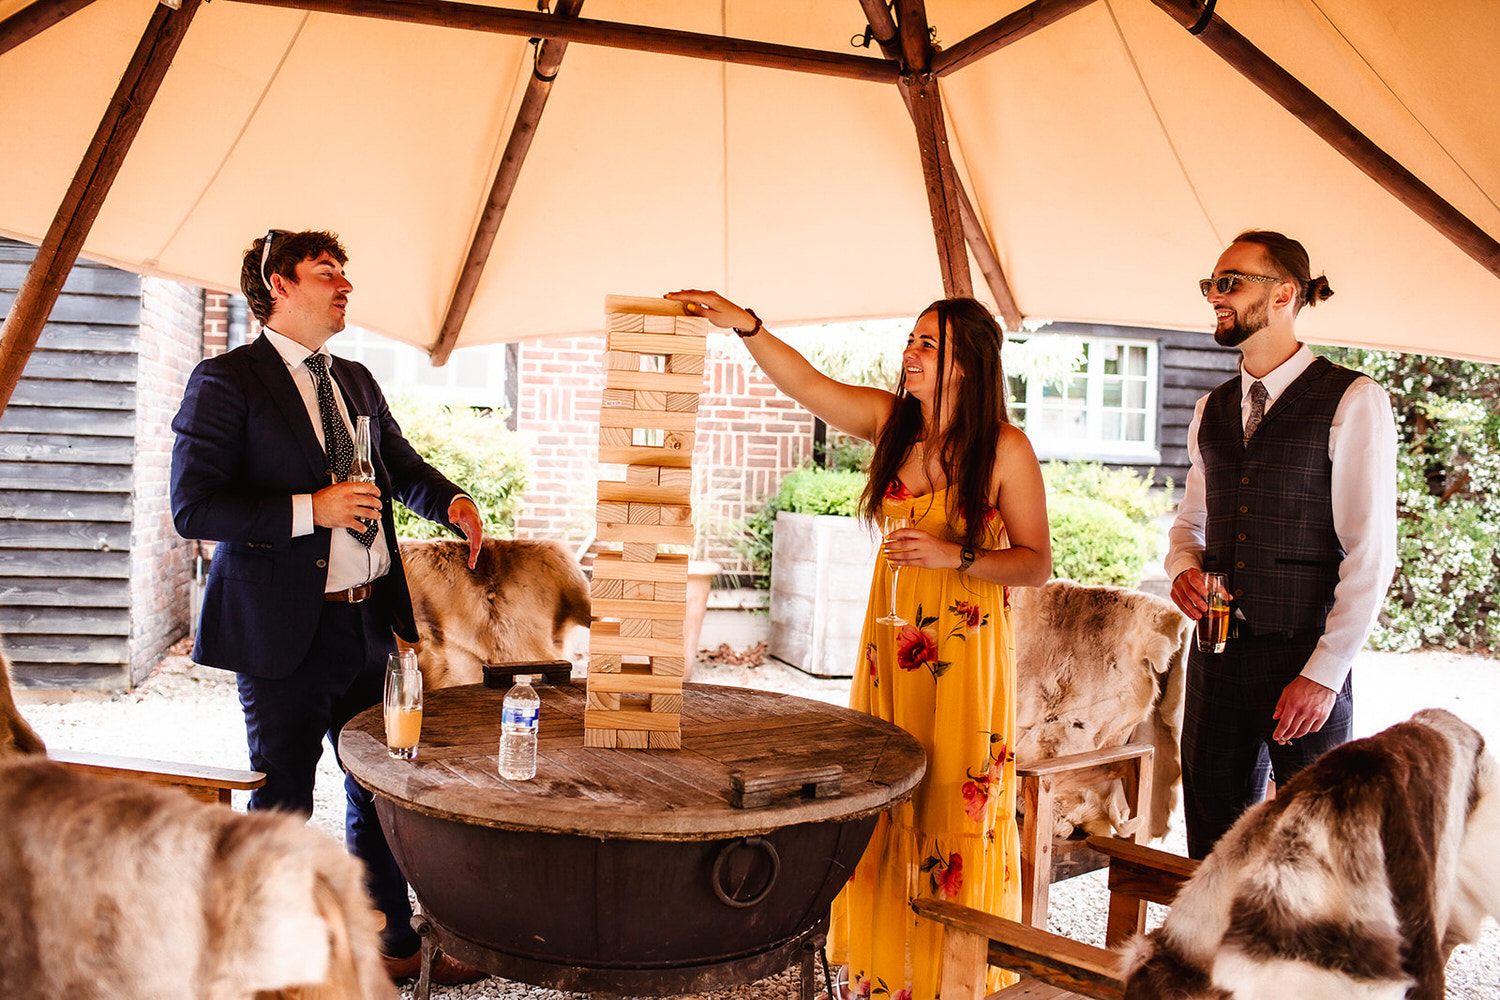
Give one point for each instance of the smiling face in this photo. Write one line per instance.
(919, 362)
(314, 306)
(1245, 311)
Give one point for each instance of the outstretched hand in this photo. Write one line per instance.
(463, 513)
(713, 307)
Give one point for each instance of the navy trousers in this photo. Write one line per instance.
(1227, 751)
(286, 721)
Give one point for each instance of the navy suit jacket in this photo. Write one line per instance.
(245, 445)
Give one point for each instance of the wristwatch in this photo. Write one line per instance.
(965, 558)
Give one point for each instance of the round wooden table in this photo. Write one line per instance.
(632, 871)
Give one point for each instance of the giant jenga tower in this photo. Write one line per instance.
(653, 377)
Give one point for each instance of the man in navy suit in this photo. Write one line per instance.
(306, 587)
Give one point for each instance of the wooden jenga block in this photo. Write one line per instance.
(667, 513)
(634, 717)
(670, 567)
(605, 637)
(604, 739)
(639, 590)
(613, 512)
(635, 628)
(621, 361)
(660, 324)
(633, 378)
(639, 552)
(683, 402)
(607, 590)
(624, 322)
(632, 739)
(645, 513)
(654, 534)
(664, 741)
(666, 628)
(614, 439)
(661, 343)
(598, 701)
(644, 608)
(642, 475)
(685, 364)
(616, 398)
(628, 453)
(676, 478)
(667, 702)
(646, 399)
(679, 441)
(643, 493)
(669, 666)
(669, 592)
(605, 663)
(640, 683)
(649, 419)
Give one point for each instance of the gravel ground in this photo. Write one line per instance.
(185, 712)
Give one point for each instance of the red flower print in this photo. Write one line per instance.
(902, 995)
(915, 647)
(870, 662)
(976, 797)
(970, 617)
(947, 877)
(897, 491)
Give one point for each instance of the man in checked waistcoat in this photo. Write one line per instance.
(1292, 495)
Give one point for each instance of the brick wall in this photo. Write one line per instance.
(215, 323)
(173, 322)
(749, 437)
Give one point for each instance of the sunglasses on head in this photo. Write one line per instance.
(265, 255)
(1224, 283)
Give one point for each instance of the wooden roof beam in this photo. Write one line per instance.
(548, 58)
(612, 34)
(35, 18)
(1011, 28)
(979, 243)
(91, 183)
(1339, 133)
(916, 35)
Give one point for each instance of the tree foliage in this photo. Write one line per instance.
(474, 449)
(1447, 502)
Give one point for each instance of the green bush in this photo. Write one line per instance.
(808, 490)
(1094, 547)
(474, 449)
(1094, 543)
(1447, 499)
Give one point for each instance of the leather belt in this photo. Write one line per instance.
(351, 596)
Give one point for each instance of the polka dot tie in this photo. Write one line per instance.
(337, 444)
(1258, 397)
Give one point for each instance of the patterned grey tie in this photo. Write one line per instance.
(1258, 397)
(337, 444)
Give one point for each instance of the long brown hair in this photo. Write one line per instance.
(966, 448)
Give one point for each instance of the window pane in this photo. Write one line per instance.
(1135, 427)
(1135, 395)
(1112, 393)
(1136, 361)
(1109, 426)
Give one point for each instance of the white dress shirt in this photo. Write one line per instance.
(350, 564)
(1362, 448)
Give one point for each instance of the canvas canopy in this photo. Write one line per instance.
(1106, 154)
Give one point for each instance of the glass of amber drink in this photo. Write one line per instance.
(1213, 627)
(403, 705)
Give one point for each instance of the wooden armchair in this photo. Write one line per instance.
(1047, 858)
(206, 784)
(1054, 967)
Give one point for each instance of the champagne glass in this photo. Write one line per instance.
(888, 525)
(403, 705)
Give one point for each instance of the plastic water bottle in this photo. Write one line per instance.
(518, 725)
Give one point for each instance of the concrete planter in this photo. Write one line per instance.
(820, 584)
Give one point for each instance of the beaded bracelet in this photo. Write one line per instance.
(747, 334)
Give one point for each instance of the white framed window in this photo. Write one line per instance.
(1103, 410)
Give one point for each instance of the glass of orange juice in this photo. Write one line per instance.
(403, 705)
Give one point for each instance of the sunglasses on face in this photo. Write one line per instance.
(265, 254)
(1224, 283)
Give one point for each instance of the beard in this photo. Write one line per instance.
(1255, 319)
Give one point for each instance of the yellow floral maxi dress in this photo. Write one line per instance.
(948, 678)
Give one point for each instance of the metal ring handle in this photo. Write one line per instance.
(719, 862)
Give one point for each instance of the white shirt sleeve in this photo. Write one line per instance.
(1362, 447)
(1186, 537)
(302, 515)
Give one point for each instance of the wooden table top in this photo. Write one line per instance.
(640, 794)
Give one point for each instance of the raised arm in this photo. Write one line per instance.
(853, 409)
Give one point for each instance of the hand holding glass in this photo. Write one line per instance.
(403, 705)
(888, 525)
(1213, 627)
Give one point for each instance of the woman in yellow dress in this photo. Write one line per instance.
(966, 483)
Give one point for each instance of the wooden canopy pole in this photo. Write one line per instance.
(612, 34)
(80, 205)
(549, 56)
(919, 88)
(1010, 28)
(885, 30)
(1339, 133)
(35, 18)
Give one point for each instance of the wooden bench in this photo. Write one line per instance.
(207, 784)
(1054, 967)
